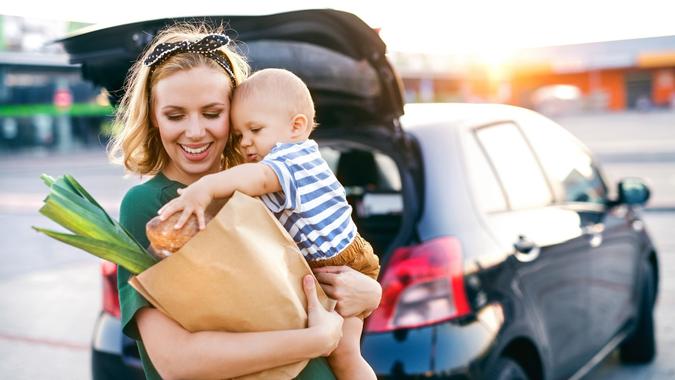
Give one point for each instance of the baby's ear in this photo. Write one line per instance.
(299, 125)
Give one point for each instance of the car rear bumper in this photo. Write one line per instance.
(113, 355)
(450, 350)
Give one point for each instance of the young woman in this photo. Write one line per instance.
(174, 122)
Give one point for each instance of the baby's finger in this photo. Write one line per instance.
(166, 211)
(180, 191)
(200, 219)
(183, 218)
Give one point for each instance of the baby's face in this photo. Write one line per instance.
(260, 123)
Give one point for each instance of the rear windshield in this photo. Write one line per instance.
(321, 69)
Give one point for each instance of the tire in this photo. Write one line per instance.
(640, 346)
(506, 369)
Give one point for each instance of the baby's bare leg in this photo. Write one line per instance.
(346, 361)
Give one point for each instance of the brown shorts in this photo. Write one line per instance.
(358, 255)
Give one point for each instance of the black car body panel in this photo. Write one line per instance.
(446, 349)
(570, 300)
(113, 355)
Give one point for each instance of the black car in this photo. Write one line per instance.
(504, 253)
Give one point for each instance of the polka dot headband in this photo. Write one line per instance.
(208, 46)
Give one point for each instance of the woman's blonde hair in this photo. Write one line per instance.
(136, 143)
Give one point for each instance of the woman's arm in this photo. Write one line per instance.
(179, 354)
(355, 292)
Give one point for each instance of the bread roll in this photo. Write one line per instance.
(165, 239)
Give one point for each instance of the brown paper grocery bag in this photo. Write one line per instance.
(242, 273)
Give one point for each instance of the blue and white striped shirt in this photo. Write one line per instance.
(312, 204)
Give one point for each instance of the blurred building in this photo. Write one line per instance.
(613, 75)
(431, 77)
(43, 100)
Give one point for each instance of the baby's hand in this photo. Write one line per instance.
(192, 200)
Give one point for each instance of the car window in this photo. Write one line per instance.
(389, 177)
(363, 171)
(484, 185)
(516, 166)
(569, 167)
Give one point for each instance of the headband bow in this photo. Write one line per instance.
(208, 46)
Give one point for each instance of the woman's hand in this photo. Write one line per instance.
(354, 292)
(326, 324)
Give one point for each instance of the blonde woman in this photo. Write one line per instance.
(174, 127)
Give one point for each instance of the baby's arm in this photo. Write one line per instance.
(252, 179)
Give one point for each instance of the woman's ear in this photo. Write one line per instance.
(299, 126)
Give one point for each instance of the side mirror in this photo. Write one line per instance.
(632, 191)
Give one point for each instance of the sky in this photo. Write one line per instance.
(485, 27)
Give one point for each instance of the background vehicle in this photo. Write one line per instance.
(504, 253)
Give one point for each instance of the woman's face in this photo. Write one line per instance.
(191, 109)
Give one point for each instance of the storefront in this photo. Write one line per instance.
(45, 103)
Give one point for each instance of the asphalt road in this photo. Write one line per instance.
(50, 293)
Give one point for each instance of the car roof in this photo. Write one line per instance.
(424, 118)
(456, 115)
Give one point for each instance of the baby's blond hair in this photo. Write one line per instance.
(281, 85)
(136, 143)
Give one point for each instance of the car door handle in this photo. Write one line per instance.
(526, 249)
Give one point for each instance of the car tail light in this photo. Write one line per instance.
(111, 300)
(422, 284)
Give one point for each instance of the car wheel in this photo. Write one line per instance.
(506, 369)
(640, 346)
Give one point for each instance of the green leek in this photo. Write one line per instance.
(93, 230)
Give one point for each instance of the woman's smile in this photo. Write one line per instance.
(195, 152)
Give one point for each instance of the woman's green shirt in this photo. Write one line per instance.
(139, 205)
